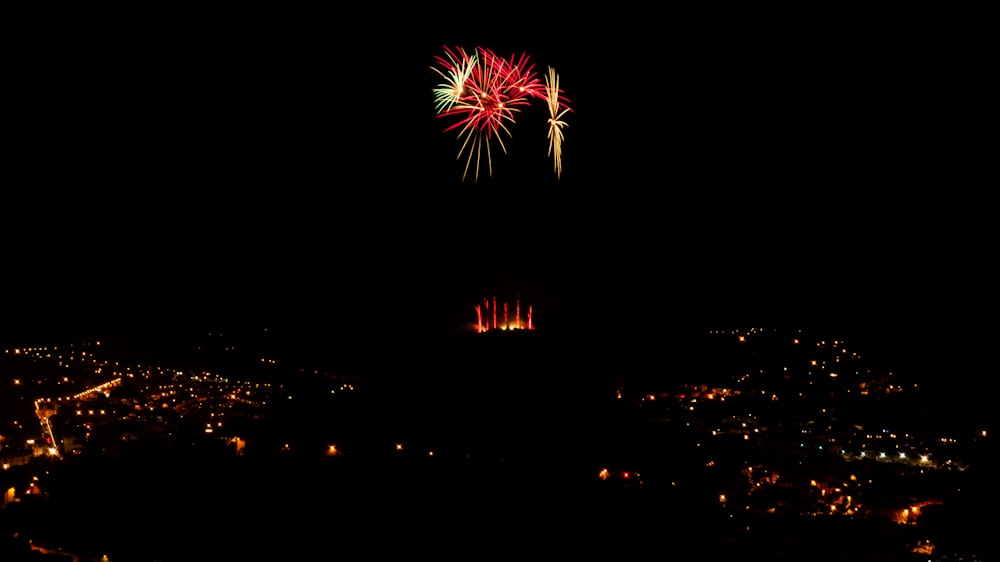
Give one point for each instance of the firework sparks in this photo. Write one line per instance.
(455, 70)
(483, 92)
(557, 110)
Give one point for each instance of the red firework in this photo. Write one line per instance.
(483, 92)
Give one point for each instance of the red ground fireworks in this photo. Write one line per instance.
(489, 318)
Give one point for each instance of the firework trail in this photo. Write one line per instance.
(483, 92)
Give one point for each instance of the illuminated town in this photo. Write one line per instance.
(772, 433)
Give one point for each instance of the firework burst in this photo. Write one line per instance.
(484, 92)
(557, 110)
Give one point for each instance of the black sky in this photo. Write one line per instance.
(720, 169)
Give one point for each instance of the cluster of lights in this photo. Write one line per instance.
(99, 388)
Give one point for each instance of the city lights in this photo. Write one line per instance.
(751, 478)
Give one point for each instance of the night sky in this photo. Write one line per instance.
(172, 171)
